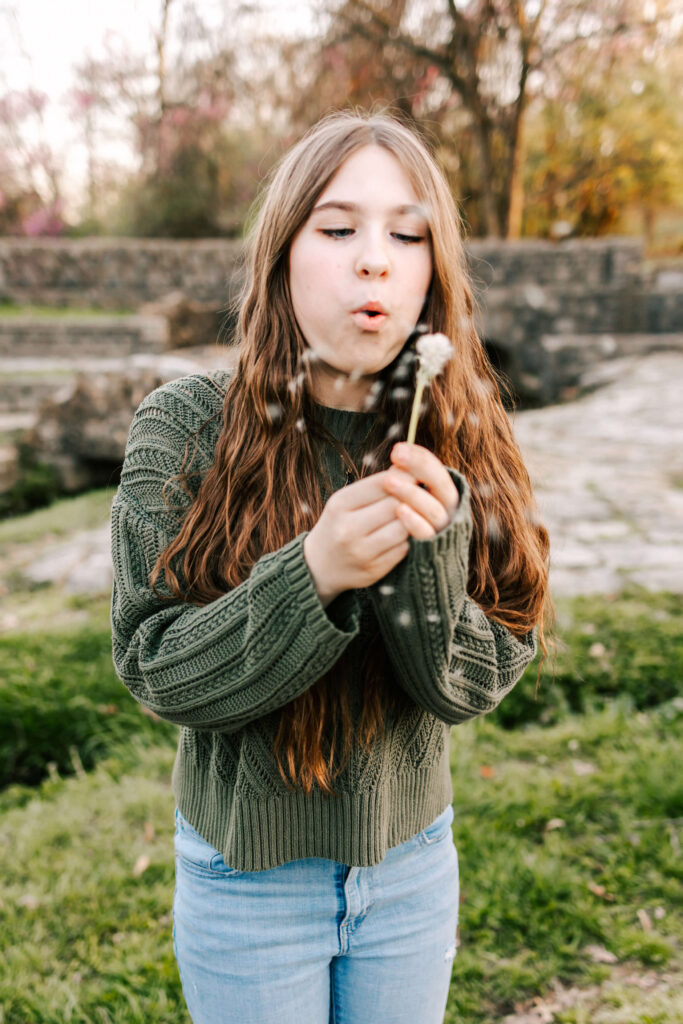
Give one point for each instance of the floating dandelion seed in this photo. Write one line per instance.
(309, 355)
(404, 619)
(434, 351)
(369, 459)
(533, 516)
(493, 527)
(433, 617)
(355, 374)
(296, 382)
(386, 590)
(338, 384)
(486, 490)
(301, 425)
(393, 431)
(473, 419)
(305, 508)
(398, 393)
(274, 412)
(450, 419)
(484, 387)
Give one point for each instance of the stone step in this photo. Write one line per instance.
(26, 381)
(72, 337)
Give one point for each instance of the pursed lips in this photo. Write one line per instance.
(370, 316)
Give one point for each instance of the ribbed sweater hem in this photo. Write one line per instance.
(355, 829)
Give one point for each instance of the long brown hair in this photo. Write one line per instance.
(263, 488)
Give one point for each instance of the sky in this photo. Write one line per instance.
(41, 41)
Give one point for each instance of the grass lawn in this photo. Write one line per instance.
(9, 309)
(567, 822)
(556, 861)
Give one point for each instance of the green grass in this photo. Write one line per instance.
(82, 939)
(59, 519)
(628, 646)
(8, 309)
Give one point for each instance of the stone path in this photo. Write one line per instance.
(608, 474)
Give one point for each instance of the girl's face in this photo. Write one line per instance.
(359, 271)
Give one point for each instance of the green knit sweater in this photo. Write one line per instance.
(224, 671)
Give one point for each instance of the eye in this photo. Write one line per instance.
(408, 239)
(337, 232)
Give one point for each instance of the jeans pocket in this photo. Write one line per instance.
(439, 828)
(198, 855)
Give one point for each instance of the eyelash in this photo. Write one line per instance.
(406, 239)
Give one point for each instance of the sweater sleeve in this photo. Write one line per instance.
(243, 655)
(447, 655)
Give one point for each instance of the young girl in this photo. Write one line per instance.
(315, 602)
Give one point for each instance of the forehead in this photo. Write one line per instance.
(371, 176)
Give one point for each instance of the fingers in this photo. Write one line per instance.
(416, 503)
(425, 468)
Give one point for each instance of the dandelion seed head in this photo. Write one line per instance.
(386, 590)
(434, 351)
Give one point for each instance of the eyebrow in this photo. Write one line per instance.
(339, 204)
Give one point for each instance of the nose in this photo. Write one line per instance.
(372, 260)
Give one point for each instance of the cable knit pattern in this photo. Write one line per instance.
(224, 671)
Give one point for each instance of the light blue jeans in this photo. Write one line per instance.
(315, 941)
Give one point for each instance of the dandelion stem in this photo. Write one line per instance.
(415, 413)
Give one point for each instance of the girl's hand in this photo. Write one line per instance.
(423, 512)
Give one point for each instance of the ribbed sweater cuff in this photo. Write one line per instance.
(341, 616)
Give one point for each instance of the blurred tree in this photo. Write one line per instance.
(467, 72)
(193, 164)
(608, 134)
(30, 193)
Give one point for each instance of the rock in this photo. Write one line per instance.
(81, 431)
(189, 323)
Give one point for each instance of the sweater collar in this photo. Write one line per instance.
(346, 425)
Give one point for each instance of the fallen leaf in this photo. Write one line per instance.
(141, 864)
(600, 955)
(599, 890)
(645, 920)
(554, 823)
(29, 901)
(108, 709)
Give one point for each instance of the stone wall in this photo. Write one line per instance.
(116, 273)
(582, 299)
